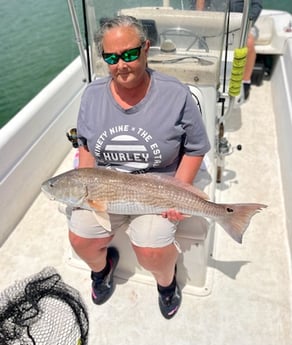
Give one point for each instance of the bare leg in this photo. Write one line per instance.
(159, 261)
(91, 250)
(251, 58)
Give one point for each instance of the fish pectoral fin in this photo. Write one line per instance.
(83, 197)
(96, 205)
(99, 209)
(103, 219)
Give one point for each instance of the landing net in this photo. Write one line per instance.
(42, 310)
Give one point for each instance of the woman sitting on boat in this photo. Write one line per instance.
(137, 121)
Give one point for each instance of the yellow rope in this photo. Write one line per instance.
(239, 60)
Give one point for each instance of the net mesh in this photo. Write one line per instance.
(42, 310)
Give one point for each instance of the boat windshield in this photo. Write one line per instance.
(185, 42)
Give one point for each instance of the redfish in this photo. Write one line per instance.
(113, 192)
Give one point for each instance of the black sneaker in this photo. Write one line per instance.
(102, 290)
(246, 90)
(169, 305)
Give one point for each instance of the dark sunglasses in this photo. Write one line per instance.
(127, 56)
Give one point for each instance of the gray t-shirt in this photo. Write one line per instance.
(150, 136)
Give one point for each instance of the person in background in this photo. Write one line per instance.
(136, 120)
(255, 10)
(200, 5)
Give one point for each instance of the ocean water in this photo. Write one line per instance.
(37, 42)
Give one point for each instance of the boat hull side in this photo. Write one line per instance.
(33, 144)
(281, 84)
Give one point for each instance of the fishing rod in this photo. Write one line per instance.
(79, 40)
(86, 40)
(239, 60)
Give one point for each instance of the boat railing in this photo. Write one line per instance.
(33, 144)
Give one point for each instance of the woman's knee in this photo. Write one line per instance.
(146, 253)
(152, 257)
(81, 243)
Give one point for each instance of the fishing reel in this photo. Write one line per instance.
(225, 148)
(72, 137)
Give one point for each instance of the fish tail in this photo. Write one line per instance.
(237, 218)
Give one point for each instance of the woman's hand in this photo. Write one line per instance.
(173, 215)
(186, 172)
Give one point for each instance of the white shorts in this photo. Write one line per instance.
(144, 231)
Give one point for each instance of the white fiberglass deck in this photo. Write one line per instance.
(250, 298)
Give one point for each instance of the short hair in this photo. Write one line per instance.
(106, 24)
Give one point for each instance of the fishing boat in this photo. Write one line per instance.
(232, 293)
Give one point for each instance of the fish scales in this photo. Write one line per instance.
(153, 196)
(110, 191)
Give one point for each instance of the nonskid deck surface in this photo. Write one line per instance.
(249, 303)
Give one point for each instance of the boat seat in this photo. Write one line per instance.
(265, 26)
